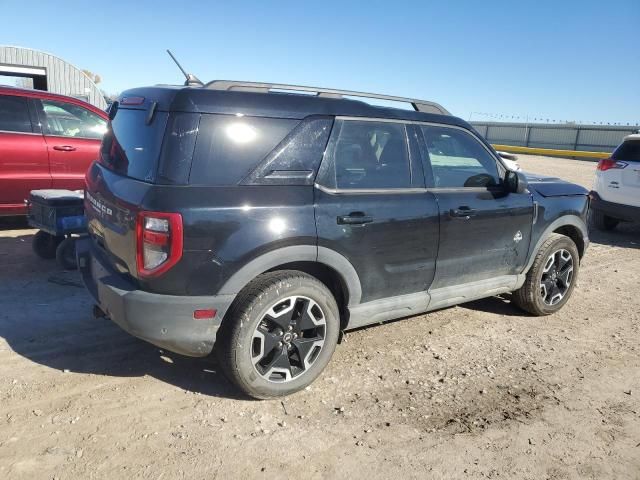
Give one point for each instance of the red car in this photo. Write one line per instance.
(46, 141)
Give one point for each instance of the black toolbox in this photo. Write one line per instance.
(57, 212)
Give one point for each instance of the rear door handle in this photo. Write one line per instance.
(462, 212)
(64, 148)
(354, 218)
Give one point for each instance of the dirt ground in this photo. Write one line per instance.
(475, 391)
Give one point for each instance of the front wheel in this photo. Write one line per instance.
(552, 277)
(279, 334)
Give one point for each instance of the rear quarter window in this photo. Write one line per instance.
(629, 151)
(229, 147)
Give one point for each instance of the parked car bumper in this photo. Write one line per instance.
(618, 211)
(163, 320)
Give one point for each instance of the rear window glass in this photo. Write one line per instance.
(367, 155)
(229, 147)
(131, 147)
(629, 150)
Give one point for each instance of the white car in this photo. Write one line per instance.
(509, 160)
(615, 196)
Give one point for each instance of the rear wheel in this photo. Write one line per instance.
(44, 244)
(603, 222)
(552, 277)
(66, 254)
(279, 335)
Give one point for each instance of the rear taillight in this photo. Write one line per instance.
(610, 163)
(159, 242)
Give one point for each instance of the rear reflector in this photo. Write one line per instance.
(204, 314)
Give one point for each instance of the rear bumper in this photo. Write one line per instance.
(618, 211)
(163, 320)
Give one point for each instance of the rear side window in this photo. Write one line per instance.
(458, 159)
(229, 147)
(132, 147)
(629, 151)
(367, 155)
(14, 114)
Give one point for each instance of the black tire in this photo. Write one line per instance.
(66, 254)
(238, 338)
(533, 297)
(603, 222)
(44, 244)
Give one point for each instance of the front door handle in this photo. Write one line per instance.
(354, 218)
(462, 212)
(64, 148)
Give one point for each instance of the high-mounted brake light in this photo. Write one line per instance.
(158, 242)
(132, 101)
(609, 164)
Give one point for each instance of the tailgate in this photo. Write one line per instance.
(112, 202)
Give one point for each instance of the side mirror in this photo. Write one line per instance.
(515, 182)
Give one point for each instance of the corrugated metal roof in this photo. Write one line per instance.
(62, 77)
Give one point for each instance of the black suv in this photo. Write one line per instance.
(269, 218)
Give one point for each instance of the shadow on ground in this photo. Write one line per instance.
(13, 223)
(500, 305)
(46, 317)
(625, 235)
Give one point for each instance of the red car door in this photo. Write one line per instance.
(73, 134)
(24, 164)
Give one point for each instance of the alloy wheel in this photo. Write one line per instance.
(288, 339)
(556, 277)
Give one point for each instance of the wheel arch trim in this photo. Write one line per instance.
(564, 221)
(296, 253)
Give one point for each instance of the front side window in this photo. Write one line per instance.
(69, 120)
(458, 159)
(368, 155)
(14, 114)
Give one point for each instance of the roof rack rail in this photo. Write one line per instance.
(265, 87)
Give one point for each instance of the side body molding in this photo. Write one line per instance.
(297, 253)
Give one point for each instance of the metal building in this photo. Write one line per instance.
(43, 71)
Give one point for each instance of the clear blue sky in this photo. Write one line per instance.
(560, 59)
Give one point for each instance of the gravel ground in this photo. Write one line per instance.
(475, 391)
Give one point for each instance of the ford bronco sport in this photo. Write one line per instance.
(269, 218)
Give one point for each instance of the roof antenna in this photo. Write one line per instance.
(191, 79)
